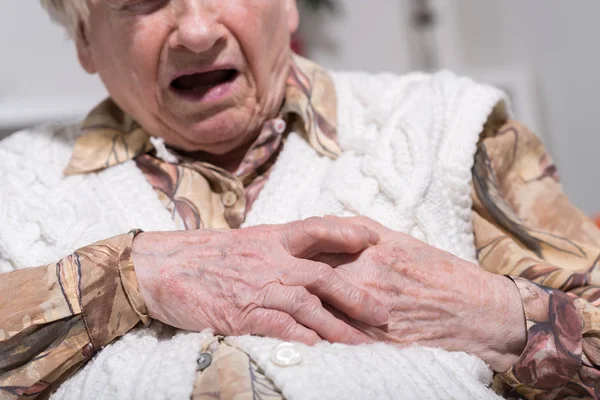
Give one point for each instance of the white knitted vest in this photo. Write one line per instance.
(408, 145)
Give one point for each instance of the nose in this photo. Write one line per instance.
(198, 27)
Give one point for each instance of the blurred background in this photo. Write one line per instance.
(544, 53)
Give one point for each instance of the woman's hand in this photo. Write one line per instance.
(436, 299)
(257, 280)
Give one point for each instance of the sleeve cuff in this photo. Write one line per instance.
(109, 296)
(553, 354)
(130, 281)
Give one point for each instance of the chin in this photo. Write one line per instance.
(216, 132)
(224, 148)
(214, 141)
(222, 133)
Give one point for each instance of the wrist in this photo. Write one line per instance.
(142, 263)
(508, 329)
(155, 257)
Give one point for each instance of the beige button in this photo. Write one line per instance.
(287, 354)
(229, 199)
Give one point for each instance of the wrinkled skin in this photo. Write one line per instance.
(436, 299)
(256, 280)
(138, 46)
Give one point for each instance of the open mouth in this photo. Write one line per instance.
(201, 84)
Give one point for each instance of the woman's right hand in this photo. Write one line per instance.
(257, 280)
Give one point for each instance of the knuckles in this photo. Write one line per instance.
(321, 275)
(315, 228)
(305, 300)
(356, 298)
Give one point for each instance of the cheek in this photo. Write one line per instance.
(261, 30)
(144, 55)
(131, 55)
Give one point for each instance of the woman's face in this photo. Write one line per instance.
(202, 74)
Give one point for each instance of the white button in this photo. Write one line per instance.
(204, 361)
(287, 354)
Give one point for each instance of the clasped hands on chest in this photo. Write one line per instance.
(348, 280)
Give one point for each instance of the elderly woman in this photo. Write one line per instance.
(195, 198)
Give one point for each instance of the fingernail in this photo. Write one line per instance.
(381, 315)
(373, 236)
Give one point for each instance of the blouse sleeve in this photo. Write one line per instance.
(526, 228)
(55, 317)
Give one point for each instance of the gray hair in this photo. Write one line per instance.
(71, 14)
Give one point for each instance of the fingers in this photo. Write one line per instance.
(306, 239)
(278, 324)
(383, 231)
(322, 281)
(364, 221)
(307, 310)
(335, 260)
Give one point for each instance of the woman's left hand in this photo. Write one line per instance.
(436, 299)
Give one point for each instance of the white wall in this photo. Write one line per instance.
(366, 35)
(558, 40)
(40, 78)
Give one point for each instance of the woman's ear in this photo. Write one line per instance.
(293, 16)
(84, 52)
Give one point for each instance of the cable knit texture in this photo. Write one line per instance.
(408, 145)
(375, 372)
